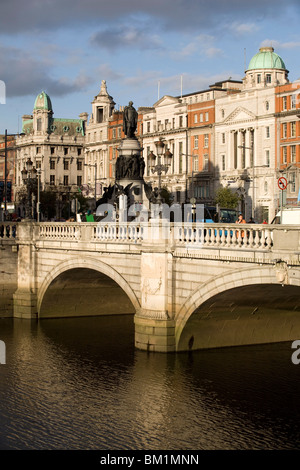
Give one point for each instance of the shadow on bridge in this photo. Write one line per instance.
(255, 314)
(84, 292)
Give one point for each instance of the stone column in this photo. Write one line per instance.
(154, 323)
(25, 299)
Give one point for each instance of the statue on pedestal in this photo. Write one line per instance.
(130, 119)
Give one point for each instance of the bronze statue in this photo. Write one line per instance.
(130, 120)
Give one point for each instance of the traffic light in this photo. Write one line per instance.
(8, 191)
(1, 191)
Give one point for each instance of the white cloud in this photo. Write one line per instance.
(244, 28)
(280, 45)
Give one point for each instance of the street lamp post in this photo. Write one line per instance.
(29, 177)
(5, 166)
(160, 168)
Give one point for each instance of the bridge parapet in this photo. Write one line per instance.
(8, 231)
(248, 237)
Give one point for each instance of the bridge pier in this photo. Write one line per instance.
(25, 299)
(154, 334)
(154, 323)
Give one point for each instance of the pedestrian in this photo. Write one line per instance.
(240, 220)
(251, 221)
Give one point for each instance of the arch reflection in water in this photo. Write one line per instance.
(80, 384)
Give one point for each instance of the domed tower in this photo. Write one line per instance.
(266, 68)
(42, 113)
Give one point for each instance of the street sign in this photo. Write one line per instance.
(282, 183)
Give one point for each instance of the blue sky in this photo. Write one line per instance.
(142, 49)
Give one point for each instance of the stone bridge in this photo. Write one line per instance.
(189, 286)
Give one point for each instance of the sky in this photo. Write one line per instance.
(143, 49)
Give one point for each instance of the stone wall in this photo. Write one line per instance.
(8, 277)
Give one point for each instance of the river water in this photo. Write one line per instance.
(80, 384)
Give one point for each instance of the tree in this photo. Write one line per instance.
(226, 198)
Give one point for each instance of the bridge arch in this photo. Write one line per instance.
(226, 281)
(86, 263)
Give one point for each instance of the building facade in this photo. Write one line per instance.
(55, 148)
(242, 134)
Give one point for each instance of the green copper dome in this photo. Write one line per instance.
(43, 102)
(266, 58)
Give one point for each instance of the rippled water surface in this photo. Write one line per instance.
(80, 384)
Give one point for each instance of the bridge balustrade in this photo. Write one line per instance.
(8, 230)
(248, 236)
(224, 236)
(54, 230)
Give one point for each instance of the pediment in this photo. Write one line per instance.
(166, 100)
(240, 114)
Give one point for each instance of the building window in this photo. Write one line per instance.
(258, 78)
(52, 150)
(223, 138)
(39, 124)
(206, 116)
(79, 165)
(284, 103)
(222, 113)
(119, 132)
(66, 150)
(223, 162)
(266, 187)
(268, 78)
(66, 180)
(205, 162)
(284, 130)
(284, 154)
(79, 180)
(206, 140)
(267, 105)
(293, 129)
(52, 164)
(267, 132)
(293, 153)
(293, 101)
(38, 150)
(195, 118)
(268, 157)
(180, 156)
(180, 121)
(114, 133)
(196, 142)
(195, 164)
(38, 164)
(66, 164)
(52, 180)
(293, 182)
(78, 152)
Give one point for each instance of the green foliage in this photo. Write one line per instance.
(226, 198)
